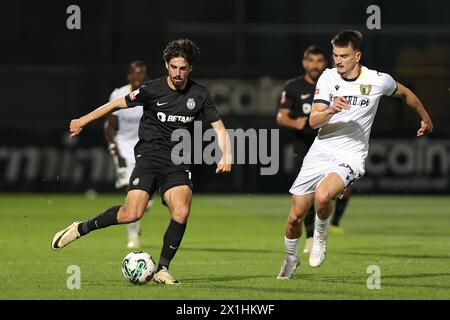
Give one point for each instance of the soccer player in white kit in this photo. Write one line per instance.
(121, 133)
(344, 106)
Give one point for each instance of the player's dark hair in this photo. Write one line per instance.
(183, 48)
(136, 64)
(314, 49)
(348, 37)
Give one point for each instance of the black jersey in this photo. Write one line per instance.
(166, 110)
(297, 96)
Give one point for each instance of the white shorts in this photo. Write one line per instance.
(318, 164)
(123, 174)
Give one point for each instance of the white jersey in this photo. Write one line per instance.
(347, 133)
(128, 123)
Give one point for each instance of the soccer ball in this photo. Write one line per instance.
(138, 267)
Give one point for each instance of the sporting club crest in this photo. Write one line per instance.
(190, 104)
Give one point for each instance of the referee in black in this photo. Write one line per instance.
(171, 102)
(293, 112)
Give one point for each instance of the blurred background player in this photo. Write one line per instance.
(341, 204)
(293, 112)
(121, 133)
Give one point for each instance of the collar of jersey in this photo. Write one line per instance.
(354, 79)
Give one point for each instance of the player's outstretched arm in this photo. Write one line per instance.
(224, 165)
(411, 100)
(321, 113)
(110, 131)
(76, 125)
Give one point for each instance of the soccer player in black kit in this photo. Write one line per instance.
(170, 103)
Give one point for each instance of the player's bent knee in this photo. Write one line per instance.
(298, 211)
(129, 218)
(294, 219)
(129, 215)
(181, 214)
(322, 198)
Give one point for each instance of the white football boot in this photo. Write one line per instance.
(66, 236)
(288, 268)
(319, 249)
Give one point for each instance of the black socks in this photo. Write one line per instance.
(309, 222)
(103, 220)
(339, 211)
(172, 239)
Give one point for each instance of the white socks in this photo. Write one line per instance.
(133, 230)
(321, 226)
(291, 248)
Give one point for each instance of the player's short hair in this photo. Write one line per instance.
(314, 49)
(183, 48)
(136, 64)
(348, 37)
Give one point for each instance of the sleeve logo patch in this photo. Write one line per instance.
(283, 97)
(317, 91)
(134, 94)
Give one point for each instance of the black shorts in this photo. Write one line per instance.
(152, 180)
(301, 148)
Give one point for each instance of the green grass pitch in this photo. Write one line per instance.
(232, 249)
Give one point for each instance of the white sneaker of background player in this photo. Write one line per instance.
(133, 243)
(133, 235)
(308, 245)
(288, 268)
(319, 249)
(134, 232)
